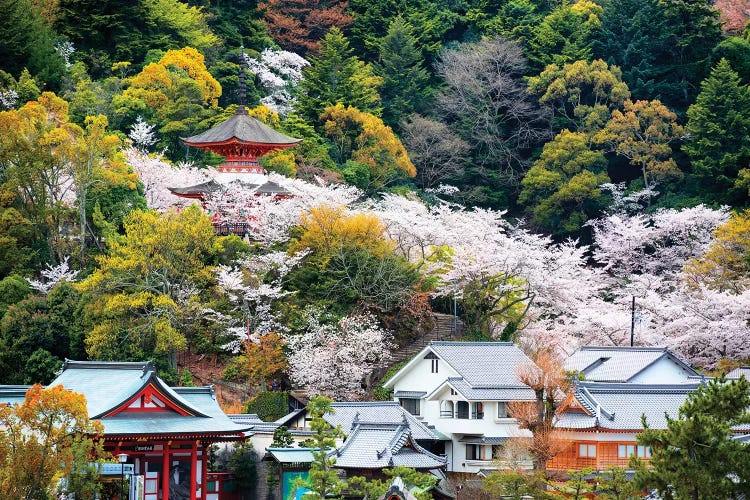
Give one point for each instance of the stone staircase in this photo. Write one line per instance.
(442, 330)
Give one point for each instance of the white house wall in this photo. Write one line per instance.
(419, 378)
(664, 371)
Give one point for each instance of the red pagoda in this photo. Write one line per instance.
(241, 139)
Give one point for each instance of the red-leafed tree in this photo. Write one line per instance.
(299, 25)
(734, 13)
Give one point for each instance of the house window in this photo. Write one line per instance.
(482, 451)
(502, 410)
(587, 450)
(453, 392)
(477, 452)
(477, 411)
(410, 404)
(435, 365)
(628, 450)
(446, 409)
(462, 409)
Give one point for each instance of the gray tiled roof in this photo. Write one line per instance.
(738, 372)
(409, 394)
(485, 364)
(617, 364)
(13, 394)
(489, 393)
(242, 127)
(374, 446)
(483, 439)
(620, 406)
(347, 414)
(211, 186)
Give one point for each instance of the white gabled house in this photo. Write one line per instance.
(632, 365)
(462, 389)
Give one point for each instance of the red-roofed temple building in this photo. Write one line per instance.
(162, 433)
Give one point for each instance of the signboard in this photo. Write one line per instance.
(143, 447)
(289, 490)
(137, 488)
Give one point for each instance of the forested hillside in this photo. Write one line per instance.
(537, 164)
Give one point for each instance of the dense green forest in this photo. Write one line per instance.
(547, 114)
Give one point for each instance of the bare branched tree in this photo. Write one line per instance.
(437, 152)
(547, 379)
(485, 98)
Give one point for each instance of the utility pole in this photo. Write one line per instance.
(632, 323)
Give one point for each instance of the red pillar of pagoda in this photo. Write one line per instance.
(166, 471)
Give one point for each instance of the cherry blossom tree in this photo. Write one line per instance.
(278, 72)
(253, 286)
(654, 243)
(334, 359)
(157, 175)
(142, 134)
(53, 275)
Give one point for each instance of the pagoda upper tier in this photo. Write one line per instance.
(241, 139)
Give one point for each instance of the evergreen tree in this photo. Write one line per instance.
(565, 35)
(719, 130)
(27, 41)
(561, 190)
(337, 76)
(694, 30)
(404, 77)
(633, 36)
(696, 457)
(323, 481)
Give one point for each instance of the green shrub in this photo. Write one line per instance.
(268, 405)
(380, 393)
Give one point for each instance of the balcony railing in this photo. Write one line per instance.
(446, 414)
(462, 414)
(477, 415)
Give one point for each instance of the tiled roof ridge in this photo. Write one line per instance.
(622, 348)
(341, 404)
(613, 387)
(114, 365)
(467, 343)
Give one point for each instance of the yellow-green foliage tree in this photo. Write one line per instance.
(581, 94)
(351, 262)
(326, 230)
(149, 290)
(642, 132)
(46, 437)
(177, 92)
(726, 264)
(362, 139)
(562, 187)
(48, 160)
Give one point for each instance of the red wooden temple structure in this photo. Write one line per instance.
(242, 140)
(165, 432)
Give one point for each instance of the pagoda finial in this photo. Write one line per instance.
(241, 88)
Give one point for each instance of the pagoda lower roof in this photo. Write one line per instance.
(268, 188)
(243, 128)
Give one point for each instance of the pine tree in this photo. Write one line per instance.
(337, 76)
(404, 77)
(719, 129)
(696, 457)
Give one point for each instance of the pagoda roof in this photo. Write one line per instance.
(243, 128)
(268, 187)
(110, 387)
